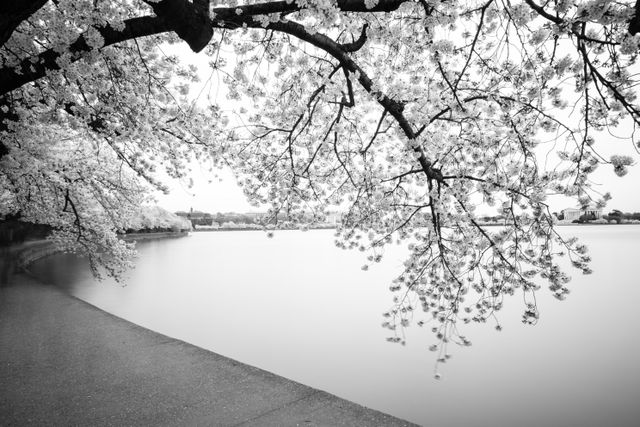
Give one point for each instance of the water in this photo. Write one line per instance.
(297, 306)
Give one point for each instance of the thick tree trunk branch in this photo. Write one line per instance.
(542, 12)
(634, 23)
(31, 70)
(357, 44)
(189, 20)
(12, 13)
(225, 13)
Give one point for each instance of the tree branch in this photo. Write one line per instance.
(32, 69)
(634, 23)
(357, 45)
(189, 20)
(393, 107)
(12, 13)
(232, 13)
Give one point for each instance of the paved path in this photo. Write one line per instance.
(65, 362)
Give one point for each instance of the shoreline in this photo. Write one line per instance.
(30, 251)
(65, 361)
(198, 230)
(159, 235)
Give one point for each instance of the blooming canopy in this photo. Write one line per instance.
(412, 116)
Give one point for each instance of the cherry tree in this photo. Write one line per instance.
(411, 116)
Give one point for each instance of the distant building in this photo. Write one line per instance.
(571, 214)
(333, 218)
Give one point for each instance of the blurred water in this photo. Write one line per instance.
(297, 306)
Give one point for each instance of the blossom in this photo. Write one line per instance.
(411, 118)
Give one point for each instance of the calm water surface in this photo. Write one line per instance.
(297, 306)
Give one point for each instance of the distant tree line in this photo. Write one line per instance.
(233, 220)
(487, 219)
(615, 215)
(236, 218)
(154, 219)
(199, 218)
(619, 216)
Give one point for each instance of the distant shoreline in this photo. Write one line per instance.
(153, 235)
(197, 230)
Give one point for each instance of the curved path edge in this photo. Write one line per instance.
(66, 362)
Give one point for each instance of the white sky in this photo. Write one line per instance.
(208, 194)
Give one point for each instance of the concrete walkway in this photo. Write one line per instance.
(65, 362)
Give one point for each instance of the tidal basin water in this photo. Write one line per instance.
(299, 307)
